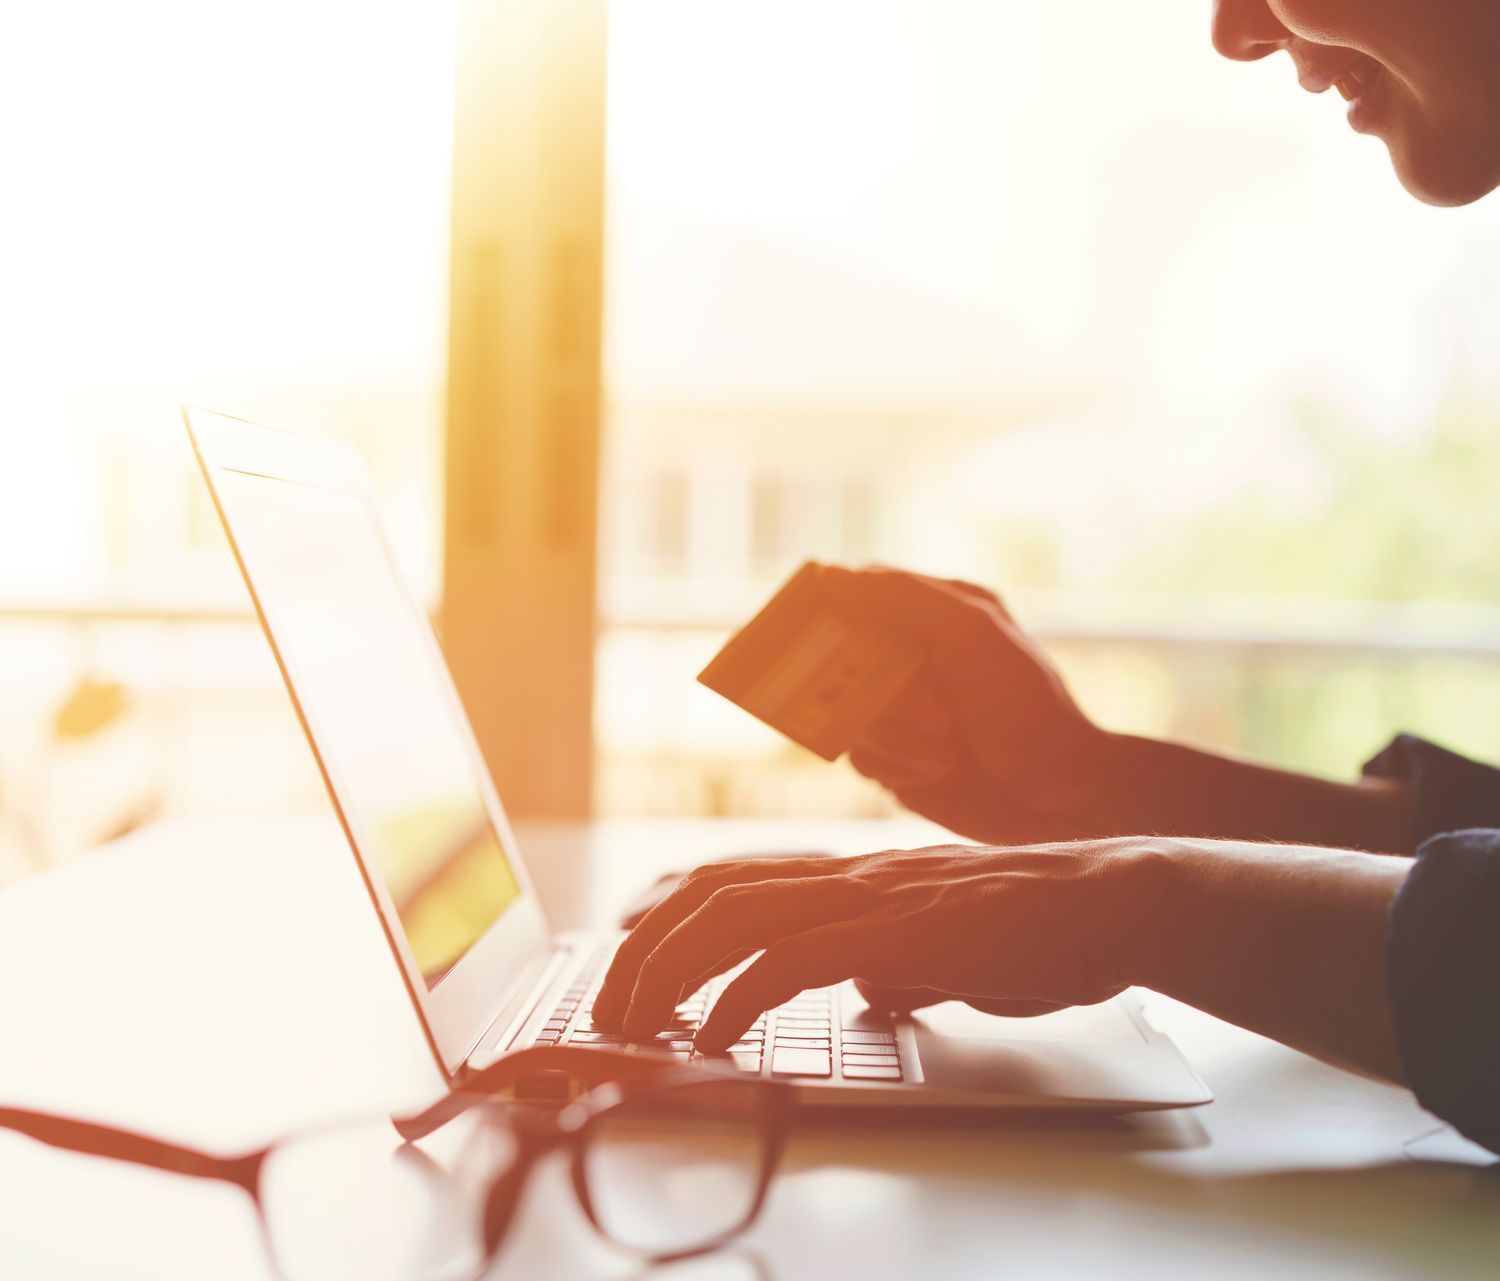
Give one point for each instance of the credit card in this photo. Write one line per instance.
(812, 671)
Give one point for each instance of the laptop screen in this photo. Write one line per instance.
(387, 726)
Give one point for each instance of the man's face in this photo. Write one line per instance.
(1421, 75)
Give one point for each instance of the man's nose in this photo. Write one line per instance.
(1247, 30)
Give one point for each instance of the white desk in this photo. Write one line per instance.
(221, 982)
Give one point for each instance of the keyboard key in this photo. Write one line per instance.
(801, 1062)
(548, 1038)
(861, 1072)
(869, 1038)
(746, 1062)
(596, 1038)
(804, 1042)
(872, 1060)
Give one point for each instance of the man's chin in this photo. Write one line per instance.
(1446, 177)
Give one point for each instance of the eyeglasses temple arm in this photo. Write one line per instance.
(92, 1139)
(535, 1066)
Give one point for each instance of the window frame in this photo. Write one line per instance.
(520, 575)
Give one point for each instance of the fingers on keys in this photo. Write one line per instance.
(818, 957)
(717, 916)
(613, 1000)
(734, 919)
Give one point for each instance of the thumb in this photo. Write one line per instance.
(903, 1000)
(898, 1000)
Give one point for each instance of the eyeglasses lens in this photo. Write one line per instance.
(670, 1173)
(355, 1202)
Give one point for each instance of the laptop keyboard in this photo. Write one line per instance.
(802, 1039)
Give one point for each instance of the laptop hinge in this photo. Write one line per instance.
(534, 983)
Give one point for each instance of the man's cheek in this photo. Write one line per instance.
(1346, 23)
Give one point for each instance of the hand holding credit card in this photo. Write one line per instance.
(811, 670)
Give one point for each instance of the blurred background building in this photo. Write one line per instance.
(1145, 340)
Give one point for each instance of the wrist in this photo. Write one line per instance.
(1143, 900)
(1108, 779)
(1077, 781)
(1288, 941)
(1390, 807)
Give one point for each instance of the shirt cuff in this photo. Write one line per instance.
(1450, 793)
(1442, 963)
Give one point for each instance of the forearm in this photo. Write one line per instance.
(1286, 941)
(1175, 790)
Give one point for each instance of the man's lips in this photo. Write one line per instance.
(1349, 77)
(1355, 81)
(1362, 81)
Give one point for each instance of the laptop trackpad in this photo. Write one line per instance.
(1092, 1053)
(1106, 1024)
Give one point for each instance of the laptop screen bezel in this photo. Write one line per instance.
(456, 1012)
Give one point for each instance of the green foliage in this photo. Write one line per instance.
(1414, 519)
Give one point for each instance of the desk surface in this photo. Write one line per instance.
(221, 982)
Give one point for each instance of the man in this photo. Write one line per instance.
(1287, 904)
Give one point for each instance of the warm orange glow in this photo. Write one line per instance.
(1063, 303)
(1101, 322)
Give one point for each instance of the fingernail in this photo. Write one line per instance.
(707, 1042)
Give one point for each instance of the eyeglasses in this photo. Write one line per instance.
(667, 1161)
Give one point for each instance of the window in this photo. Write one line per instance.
(248, 208)
(768, 527)
(1108, 323)
(668, 518)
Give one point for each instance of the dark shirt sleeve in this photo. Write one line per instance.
(1443, 946)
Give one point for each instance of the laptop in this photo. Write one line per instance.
(446, 876)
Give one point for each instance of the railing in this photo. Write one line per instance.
(1388, 630)
(87, 614)
(1330, 627)
(1319, 686)
(1277, 689)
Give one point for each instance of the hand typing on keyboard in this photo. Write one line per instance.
(1012, 931)
(803, 1038)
